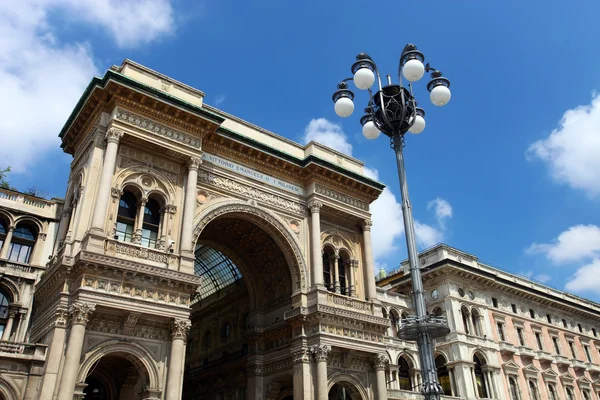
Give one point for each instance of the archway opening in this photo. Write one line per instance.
(443, 374)
(480, 386)
(239, 308)
(116, 377)
(344, 391)
(404, 378)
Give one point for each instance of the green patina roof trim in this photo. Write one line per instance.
(101, 83)
(298, 161)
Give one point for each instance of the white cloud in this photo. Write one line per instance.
(442, 209)
(586, 279)
(42, 77)
(572, 150)
(327, 133)
(576, 243)
(220, 100)
(542, 278)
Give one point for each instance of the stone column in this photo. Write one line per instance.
(108, 169)
(38, 247)
(80, 316)
(335, 261)
(452, 387)
(179, 331)
(321, 352)
(139, 222)
(369, 270)
(7, 240)
(54, 355)
(379, 362)
(315, 244)
(189, 205)
(65, 218)
(302, 375)
(9, 324)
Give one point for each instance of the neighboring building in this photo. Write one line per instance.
(201, 257)
(28, 226)
(511, 338)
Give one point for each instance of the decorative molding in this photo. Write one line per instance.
(149, 125)
(139, 251)
(114, 135)
(81, 312)
(194, 163)
(61, 315)
(366, 225)
(130, 322)
(301, 356)
(321, 352)
(343, 198)
(180, 328)
(250, 192)
(380, 361)
(315, 206)
(116, 193)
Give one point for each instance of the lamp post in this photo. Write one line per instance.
(393, 110)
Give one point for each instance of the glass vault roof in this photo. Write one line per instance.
(216, 269)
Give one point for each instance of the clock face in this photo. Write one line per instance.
(471, 295)
(435, 294)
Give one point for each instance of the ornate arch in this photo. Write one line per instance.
(441, 353)
(480, 354)
(36, 222)
(412, 363)
(8, 389)
(339, 377)
(9, 287)
(338, 241)
(146, 180)
(138, 356)
(9, 217)
(270, 223)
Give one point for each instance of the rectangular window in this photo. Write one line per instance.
(124, 231)
(149, 238)
(556, 346)
(580, 328)
(19, 253)
(594, 332)
(520, 336)
(538, 339)
(588, 355)
(514, 308)
(572, 348)
(548, 318)
(564, 322)
(495, 302)
(532, 313)
(501, 332)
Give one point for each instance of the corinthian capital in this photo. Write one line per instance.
(81, 312)
(321, 352)
(315, 206)
(380, 360)
(114, 135)
(180, 328)
(301, 356)
(367, 224)
(194, 163)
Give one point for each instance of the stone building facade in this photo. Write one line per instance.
(197, 256)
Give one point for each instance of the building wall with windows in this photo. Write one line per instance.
(511, 338)
(28, 226)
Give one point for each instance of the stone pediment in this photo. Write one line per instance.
(584, 381)
(549, 375)
(567, 378)
(531, 371)
(511, 367)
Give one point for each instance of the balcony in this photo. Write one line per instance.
(12, 267)
(348, 303)
(562, 360)
(507, 348)
(577, 364)
(23, 351)
(527, 352)
(407, 395)
(160, 258)
(544, 356)
(593, 367)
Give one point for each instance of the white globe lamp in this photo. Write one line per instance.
(440, 95)
(370, 131)
(364, 78)
(413, 70)
(344, 107)
(418, 125)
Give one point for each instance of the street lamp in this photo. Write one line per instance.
(393, 110)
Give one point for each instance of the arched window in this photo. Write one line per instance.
(482, 390)
(475, 321)
(4, 302)
(513, 388)
(552, 392)
(464, 311)
(22, 243)
(151, 223)
(443, 374)
(404, 374)
(569, 393)
(328, 257)
(533, 392)
(342, 262)
(394, 322)
(126, 217)
(3, 231)
(586, 394)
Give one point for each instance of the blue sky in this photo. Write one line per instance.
(508, 171)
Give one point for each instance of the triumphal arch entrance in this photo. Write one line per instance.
(202, 257)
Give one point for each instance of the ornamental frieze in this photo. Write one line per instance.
(133, 157)
(344, 331)
(335, 195)
(158, 129)
(250, 192)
